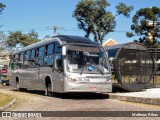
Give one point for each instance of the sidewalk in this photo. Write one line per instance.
(147, 96)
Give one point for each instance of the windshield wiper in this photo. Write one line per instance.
(83, 67)
(97, 67)
(82, 70)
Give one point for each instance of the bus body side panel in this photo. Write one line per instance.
(45, 72)
(13, 74)
(12, 80)
(58, 81)
(33, 78)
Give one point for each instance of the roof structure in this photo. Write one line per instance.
(4, 58)
(109, 42)
(62, 39)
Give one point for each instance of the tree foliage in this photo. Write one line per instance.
(93, 17)
(2, 41)
(2, 6)
(18, 39)
(124, 9)
(146, 23)
(2, 36)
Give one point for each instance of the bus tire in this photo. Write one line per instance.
(17, 84)
(48, 90)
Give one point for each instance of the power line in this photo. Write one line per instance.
(53, 28)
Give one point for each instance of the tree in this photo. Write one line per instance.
(2, 6)
(146, 23)
(2, 35)
(2, 41)
(93, 17)
(18, 40)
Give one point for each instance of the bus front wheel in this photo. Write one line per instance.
(48, 90)
(17, 84)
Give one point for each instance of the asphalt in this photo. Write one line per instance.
(146, 96)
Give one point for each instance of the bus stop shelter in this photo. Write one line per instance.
(132, 64)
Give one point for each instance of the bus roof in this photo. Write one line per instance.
(76, 39)
(62, 39)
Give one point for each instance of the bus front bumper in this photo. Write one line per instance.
(88, 87)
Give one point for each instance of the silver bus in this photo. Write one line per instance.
(63, 63)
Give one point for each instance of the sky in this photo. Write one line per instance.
(42, 15)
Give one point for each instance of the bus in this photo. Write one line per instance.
(61, 64)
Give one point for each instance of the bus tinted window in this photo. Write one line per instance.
(16, 56)
(27, 59)
(40, 55)
(50, 49)
(33, 54)
(41, 52)
(28, 54)
(49, 56)
(21, 56)
(33, 57)
(19, 61)
(58, 48)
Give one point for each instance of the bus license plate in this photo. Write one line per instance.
(84, 79)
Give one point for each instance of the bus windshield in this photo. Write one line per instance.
(86, 59)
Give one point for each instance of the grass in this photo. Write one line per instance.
(4, 99)
(157, 79)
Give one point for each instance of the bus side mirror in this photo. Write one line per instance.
(64, 50)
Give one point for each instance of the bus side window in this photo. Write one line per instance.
(40, 56)
(49, 54)
(21, 57)
(58, 48)
(33, 57)
(16, 61)
(27, 58)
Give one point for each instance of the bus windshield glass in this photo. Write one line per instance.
(86, 59)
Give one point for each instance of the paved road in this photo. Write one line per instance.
(36, 101)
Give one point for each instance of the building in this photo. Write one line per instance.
(4, 58)
(109, 42)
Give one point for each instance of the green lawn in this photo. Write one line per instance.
(4, 99)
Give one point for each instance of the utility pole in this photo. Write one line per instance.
(54, 30)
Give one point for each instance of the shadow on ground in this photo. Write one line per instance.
(79, 95)
(117, 89)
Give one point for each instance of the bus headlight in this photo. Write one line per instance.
(108, 81)
(71, 80)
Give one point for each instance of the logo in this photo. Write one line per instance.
(6, 114)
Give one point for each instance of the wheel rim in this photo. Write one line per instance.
(17, 85)
(49, 89)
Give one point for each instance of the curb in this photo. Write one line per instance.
(8, 105)
(151, 101)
